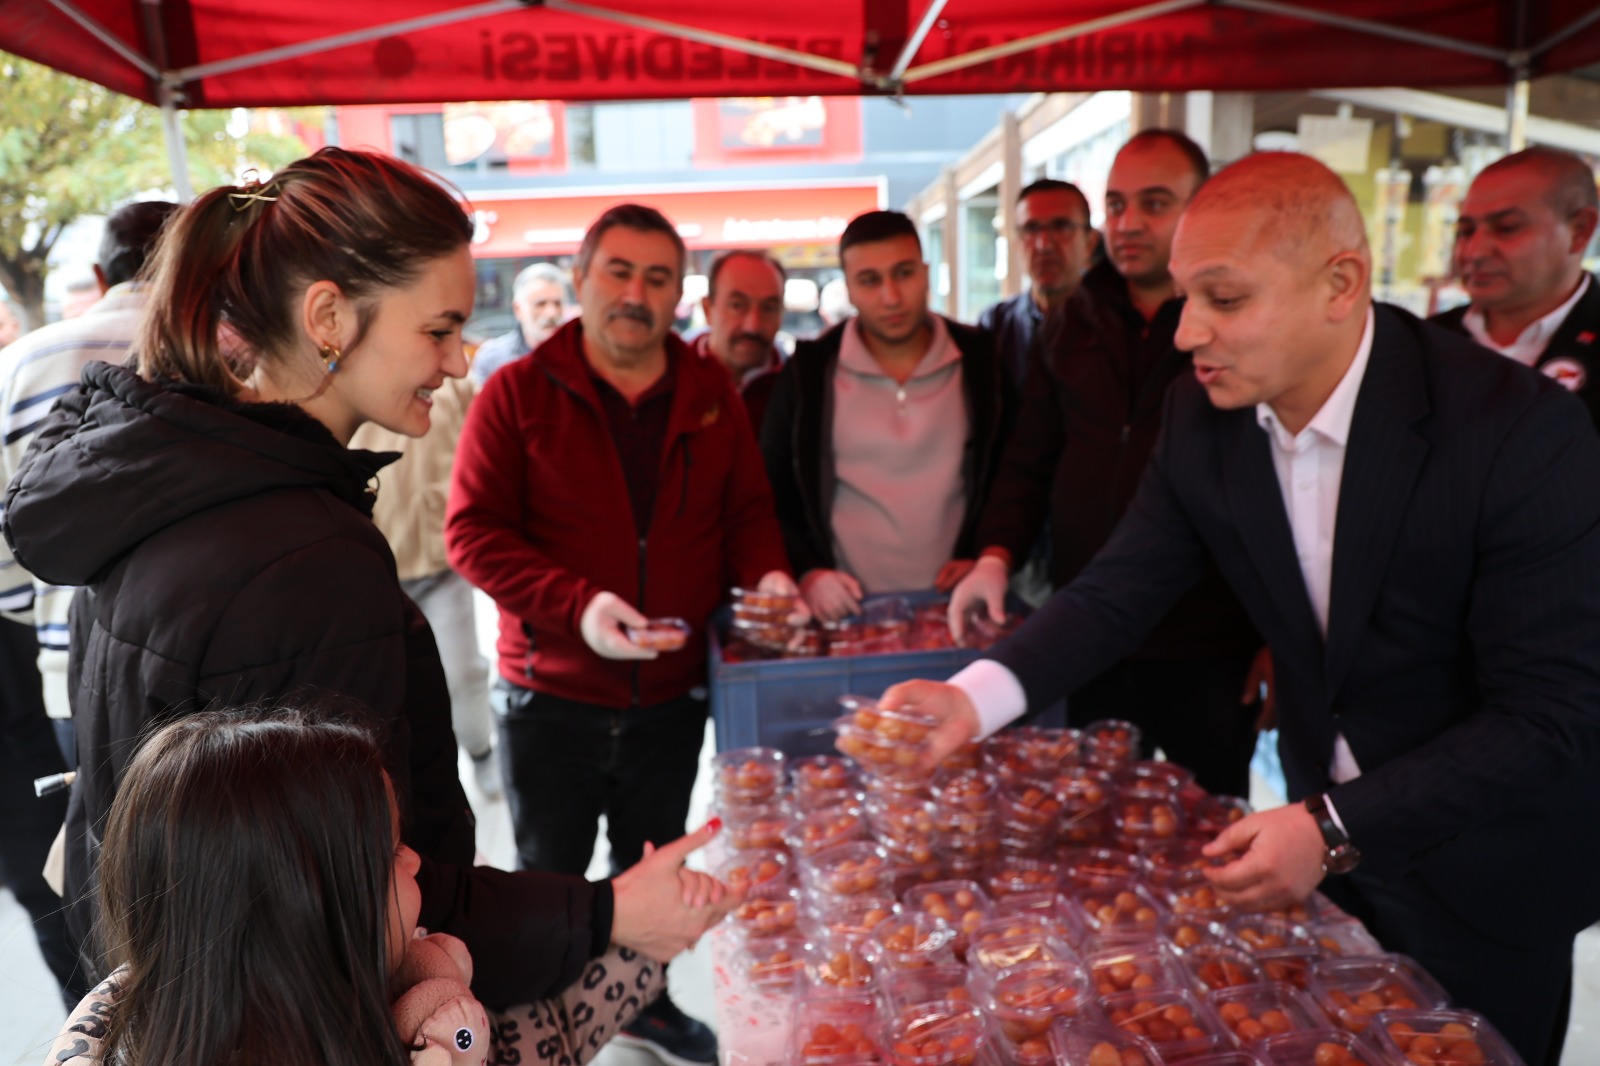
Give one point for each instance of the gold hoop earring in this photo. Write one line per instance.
(331, 357)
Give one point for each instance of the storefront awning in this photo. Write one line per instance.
(227, 53)
(707, 217)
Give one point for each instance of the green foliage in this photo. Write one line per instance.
(70, 148)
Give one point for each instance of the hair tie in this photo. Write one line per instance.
(253, 191)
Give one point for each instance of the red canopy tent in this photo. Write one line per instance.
(233, 53)
(227, 53)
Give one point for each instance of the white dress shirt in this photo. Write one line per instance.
(1531, 342)
(1310, 467)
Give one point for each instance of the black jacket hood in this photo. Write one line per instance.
(121, 458)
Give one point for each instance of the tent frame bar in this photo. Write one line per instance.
(914, 43)
(105, 37)
(176, 78)
(1576, 27)
(1066, 33)
(170, 82)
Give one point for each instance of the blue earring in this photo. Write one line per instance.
(331, 357)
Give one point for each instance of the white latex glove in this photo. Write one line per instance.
(831, 594)
(984, 588)
(779, 583)
(602, 628)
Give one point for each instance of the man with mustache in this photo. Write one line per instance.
(1520, 240)
(1089, 420)
(609, 478)
(744, 309)
(883, 434)
(540, 299)
(1058, 242)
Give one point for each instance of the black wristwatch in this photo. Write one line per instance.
(1339, 855)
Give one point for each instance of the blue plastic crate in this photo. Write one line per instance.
(789, 704)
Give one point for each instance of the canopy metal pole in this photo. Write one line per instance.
(1517, 91)
(107, 38)
(1517, 110)
(909, 52)
(177, 151)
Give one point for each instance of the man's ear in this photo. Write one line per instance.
(705, 306)
(100, 279)
(1349, 277)
(1583, 222)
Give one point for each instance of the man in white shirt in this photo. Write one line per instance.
(1520, 240)
(1440, 701)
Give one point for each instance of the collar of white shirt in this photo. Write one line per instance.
(1531, 342)
(1332, 420)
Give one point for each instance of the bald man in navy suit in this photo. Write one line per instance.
(1413, 523)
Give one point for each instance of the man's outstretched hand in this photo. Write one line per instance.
(957, 719)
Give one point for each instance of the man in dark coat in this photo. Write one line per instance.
(1520, 240)
(882, 435)
(1089, 420)
(1412, 523)
(1058, 244)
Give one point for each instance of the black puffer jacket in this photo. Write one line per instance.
(228, 554)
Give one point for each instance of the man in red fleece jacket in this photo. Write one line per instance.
(608, 478)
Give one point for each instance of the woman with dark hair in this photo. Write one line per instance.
(257, 903)
(209, 504)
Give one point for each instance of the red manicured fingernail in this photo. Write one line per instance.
(715, 824)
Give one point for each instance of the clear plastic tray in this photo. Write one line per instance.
(661, 634)
(1140, 968)
(1446, 1037)
(1251, 1013)
(1173, 1019)
(1351, 990)
(749, 776)
(933, 1035)
(1218, 966)
(1025, 1000)
(834, 1032)
(1317, 1047)
(1101, 1044)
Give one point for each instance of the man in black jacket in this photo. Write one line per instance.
(1089, 419)
(882, 435)
(1413, 524)
(1520, 240)
(1059, 244)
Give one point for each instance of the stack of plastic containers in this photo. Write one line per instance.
(1042, 901)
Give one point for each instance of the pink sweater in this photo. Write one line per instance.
(898, 494)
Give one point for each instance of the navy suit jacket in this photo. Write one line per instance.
(1462, 659)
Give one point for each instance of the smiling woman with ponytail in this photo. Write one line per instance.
(208, 503)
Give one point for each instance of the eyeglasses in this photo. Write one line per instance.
(1056, 227)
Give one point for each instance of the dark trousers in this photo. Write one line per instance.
(1189, 708)
(28, 823)
(566, 763)
(1525, 991)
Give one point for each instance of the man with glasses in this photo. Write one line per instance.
(1088, 422)
(1053, 229)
